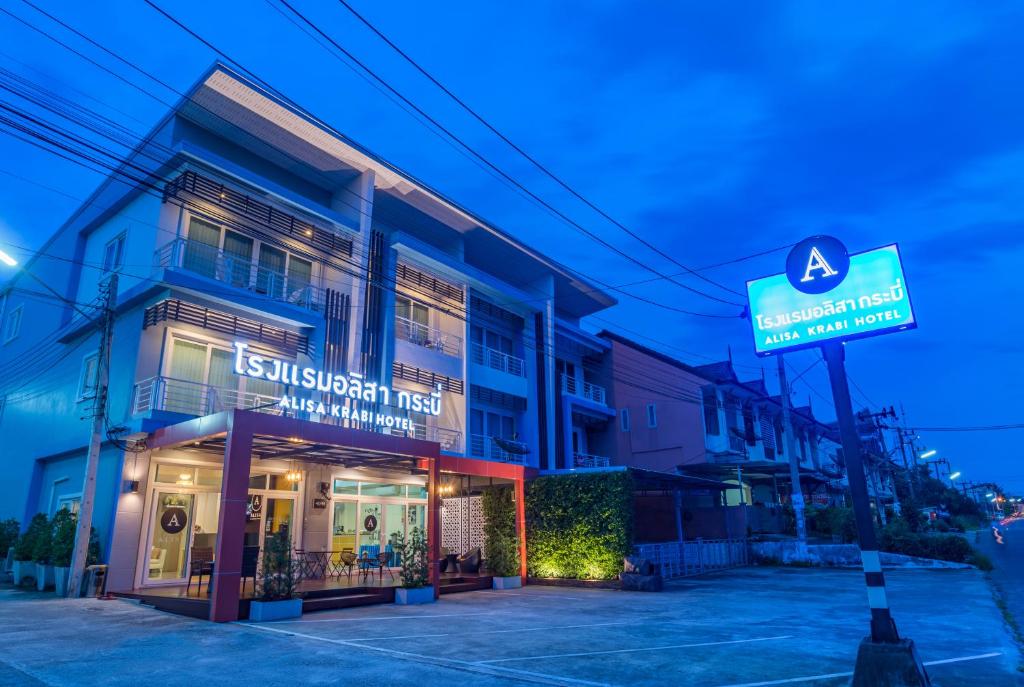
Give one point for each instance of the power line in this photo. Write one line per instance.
(536, 163)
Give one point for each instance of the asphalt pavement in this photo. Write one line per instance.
(1008, 558)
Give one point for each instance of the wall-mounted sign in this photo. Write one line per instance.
(173, 520)
(370, 523)
(319, 503)
(350, 386)
(827, 294)
(254, 508)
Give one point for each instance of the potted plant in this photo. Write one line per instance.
(42, 552)
(24, 567)
(64, 525)
(279, 581)
(502, 544)
(416, 587)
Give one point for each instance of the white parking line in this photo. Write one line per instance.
(453, 663)
(829, 676)
(629, 651)
(492, 632)
(350, 618)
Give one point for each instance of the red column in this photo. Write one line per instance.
(520, 487)
(234, 496)
(434, 524)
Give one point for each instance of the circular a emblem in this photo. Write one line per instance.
(370, 523)
(173, 520)
(817, 264)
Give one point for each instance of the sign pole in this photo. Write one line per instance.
(883, 652)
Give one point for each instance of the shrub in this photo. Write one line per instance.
(502, 545)
(63, 526)
(898, 538)
(8, 534)
(40, 535)
(279, 575)
(836, 520)
(579, 526)
(415, 558)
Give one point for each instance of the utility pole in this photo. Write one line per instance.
(99, 418)
(797, 494)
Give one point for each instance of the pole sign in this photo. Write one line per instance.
(827, 294)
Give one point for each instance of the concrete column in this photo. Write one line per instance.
(434, 524)
(128, 525)
(234, 496)
(520, 492)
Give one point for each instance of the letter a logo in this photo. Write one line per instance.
(817, 262)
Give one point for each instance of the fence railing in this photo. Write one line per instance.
(589, 460)
(193, 398)
(482, 446)
(684, 559)
(591, 392)
(450, 439)
(497, 360)
(428, 337)
(214, 263)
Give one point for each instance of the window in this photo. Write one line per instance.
(710, 398)
(113, 254)
(88, 378)
(652, 415)
(491, 339)
(12, 327)
(624, 419)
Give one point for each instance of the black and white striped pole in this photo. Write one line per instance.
(883, 655)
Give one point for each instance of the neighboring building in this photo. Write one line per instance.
(305, 336)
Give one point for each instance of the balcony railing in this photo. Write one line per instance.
(193, 398)
(213, 263)
(588, 460)
(450, 439)
(428, 337)
(497, 360)
(482, 446)
(591, 392)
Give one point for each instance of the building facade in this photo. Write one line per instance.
(301, 331)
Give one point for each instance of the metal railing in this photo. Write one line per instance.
(591, 392)
(450, 439)
(497, 360)
(482, 446)
(684, 559)
(194, 398)
(213, 263)
(588, 460)
(428, 337)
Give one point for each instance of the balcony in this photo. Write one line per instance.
(591, 392)
(450, 439)
(213, 263)
(481, 446)
(496, 360)
(428, 337)
(588, 460)
(193, 398)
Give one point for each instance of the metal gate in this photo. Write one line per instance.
(684, 559)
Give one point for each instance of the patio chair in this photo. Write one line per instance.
(348, 560)
(469, 562)
(382, 565)
(157, 558)
(200, 563)
(250, 559)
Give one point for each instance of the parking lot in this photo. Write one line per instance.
(754, 626)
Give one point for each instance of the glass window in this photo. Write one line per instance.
(13, 325)
(382, 489)
(343, 533)
(170, 535)
(624, 419)
(652, 415)
(113, 254)
(237, 258)
(202, 247)
(209, 477)
(270, 274)
(300, 272)
(346, 486)
(257, 481)
(279, 483)
(710, 399)
(222, 370)
(175, 474)
(417, 491)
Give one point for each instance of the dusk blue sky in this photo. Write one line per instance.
(715, 130)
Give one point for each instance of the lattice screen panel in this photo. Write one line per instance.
(459, 533)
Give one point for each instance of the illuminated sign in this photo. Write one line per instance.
(826, 294)
(347, 386)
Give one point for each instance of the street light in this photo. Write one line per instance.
(954, 475)
(989, 495)
(7, 259)
(928, 454)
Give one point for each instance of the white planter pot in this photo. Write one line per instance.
(60, 580)
(23, 570)
(409, 597)
(514, 582)
(44, 576)
(263, 611)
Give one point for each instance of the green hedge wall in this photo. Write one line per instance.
(579, 526)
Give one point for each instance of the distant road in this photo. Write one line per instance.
(1008, 558)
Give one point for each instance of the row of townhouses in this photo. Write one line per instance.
(306, 337)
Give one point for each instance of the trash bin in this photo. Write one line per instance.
(94, 582)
